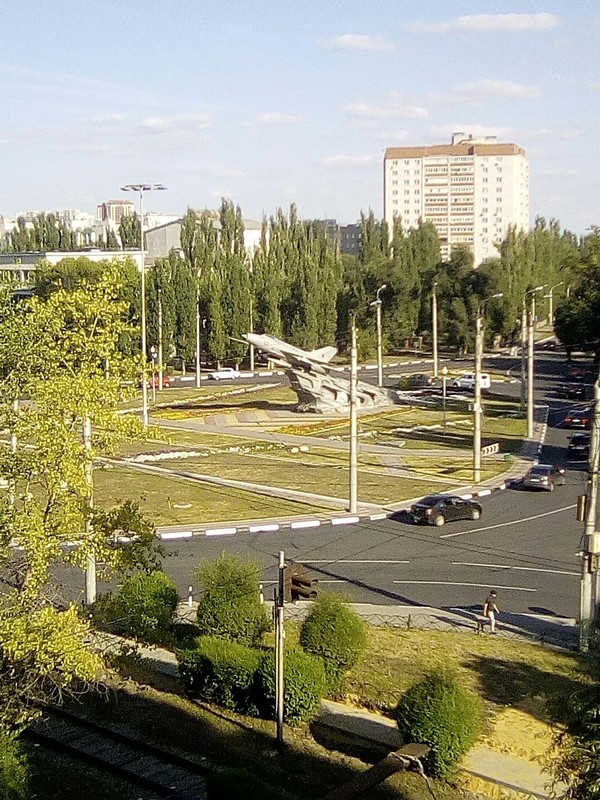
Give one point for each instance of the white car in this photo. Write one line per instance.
(467, 381)
(223, 374)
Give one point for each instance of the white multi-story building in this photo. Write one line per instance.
(471, 190)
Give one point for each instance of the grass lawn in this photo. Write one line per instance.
(159, 497)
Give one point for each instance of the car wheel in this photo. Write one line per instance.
(439, 520)
(475, 513)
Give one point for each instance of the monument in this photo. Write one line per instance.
(321, 388)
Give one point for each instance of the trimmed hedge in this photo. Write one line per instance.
(222, 672)
(305, 684)
(336, 634)
(142, 608)
(437, 711)
(229, 605)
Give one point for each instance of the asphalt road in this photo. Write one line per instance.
(526, 545)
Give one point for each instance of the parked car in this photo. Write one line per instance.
(437, 509)
(167, 382)
(576, 374)
(544, 476)
(418, 381)
(223, 374)
(467, 381)
(578, 418)
(579, 447)
(571, 391)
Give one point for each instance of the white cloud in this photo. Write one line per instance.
(180, 122)
(486, 89)
(592, 86)
(357, 41)
(344, 162)
(106, 119)
(396, 107)
(438, 132)
(549, 134)
(490, 22)
(392, 137)
(228, 174)
(276, 118)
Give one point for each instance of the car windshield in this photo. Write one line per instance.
(540, 470)
(581, 439)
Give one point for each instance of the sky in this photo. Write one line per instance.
(278, 102)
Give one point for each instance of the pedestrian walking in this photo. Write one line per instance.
(490, 609)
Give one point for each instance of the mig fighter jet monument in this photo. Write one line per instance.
(321, 388)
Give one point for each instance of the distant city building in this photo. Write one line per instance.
(471, 190)
(351, 239)
(159, 241)
(18, 268)
(113, 211)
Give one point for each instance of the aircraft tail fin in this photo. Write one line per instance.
(324, 355)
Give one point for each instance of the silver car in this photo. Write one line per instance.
(544, 477)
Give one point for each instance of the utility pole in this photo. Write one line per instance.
(591, 539)
(90, 567)
(523, 354)
(198, 342)
(160, 340)
(477, 411)
(434, 329)
(353, 505)
(530, 367)
(279, 606)
(377, 304)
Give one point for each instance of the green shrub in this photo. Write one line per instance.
(305, 684)
(437, 711)
(229, 605)
(14, 771)
(221, 671)
(142, 608)
(336, 634)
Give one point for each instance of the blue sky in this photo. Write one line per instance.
(277, 102)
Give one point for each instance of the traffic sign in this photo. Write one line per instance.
(490, 449)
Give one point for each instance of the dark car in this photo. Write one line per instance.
(579, 447)
(545, 477)
(571, 391)
(576, 374)
(436, 509)
(578, 418)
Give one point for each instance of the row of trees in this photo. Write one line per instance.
(298, 286)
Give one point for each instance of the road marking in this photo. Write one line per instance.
(221, 532)
(306, 523)
(263, 528)
(349, 561)
(344, 520)
(176, 535)
(512, 522)
(509, 566)
(460, 583)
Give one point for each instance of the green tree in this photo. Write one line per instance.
(130, 231)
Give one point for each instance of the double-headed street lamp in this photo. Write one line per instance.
(528, 324)
(477, 409)
(550, 303)
(141, 188)
(377, 305)
(434, 329)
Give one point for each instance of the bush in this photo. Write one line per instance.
(142, 608)
(305, 684)
(14, 772)
(221, 671)
(336, 634)
(438, 712)
(229, 605)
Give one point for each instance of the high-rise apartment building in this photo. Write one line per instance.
(471, 190)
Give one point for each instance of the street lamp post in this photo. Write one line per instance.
(377, 304)
(141, 188)
(550, 301)
(434, 329)
(477, 407)
(530, 320)
(444, 379)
